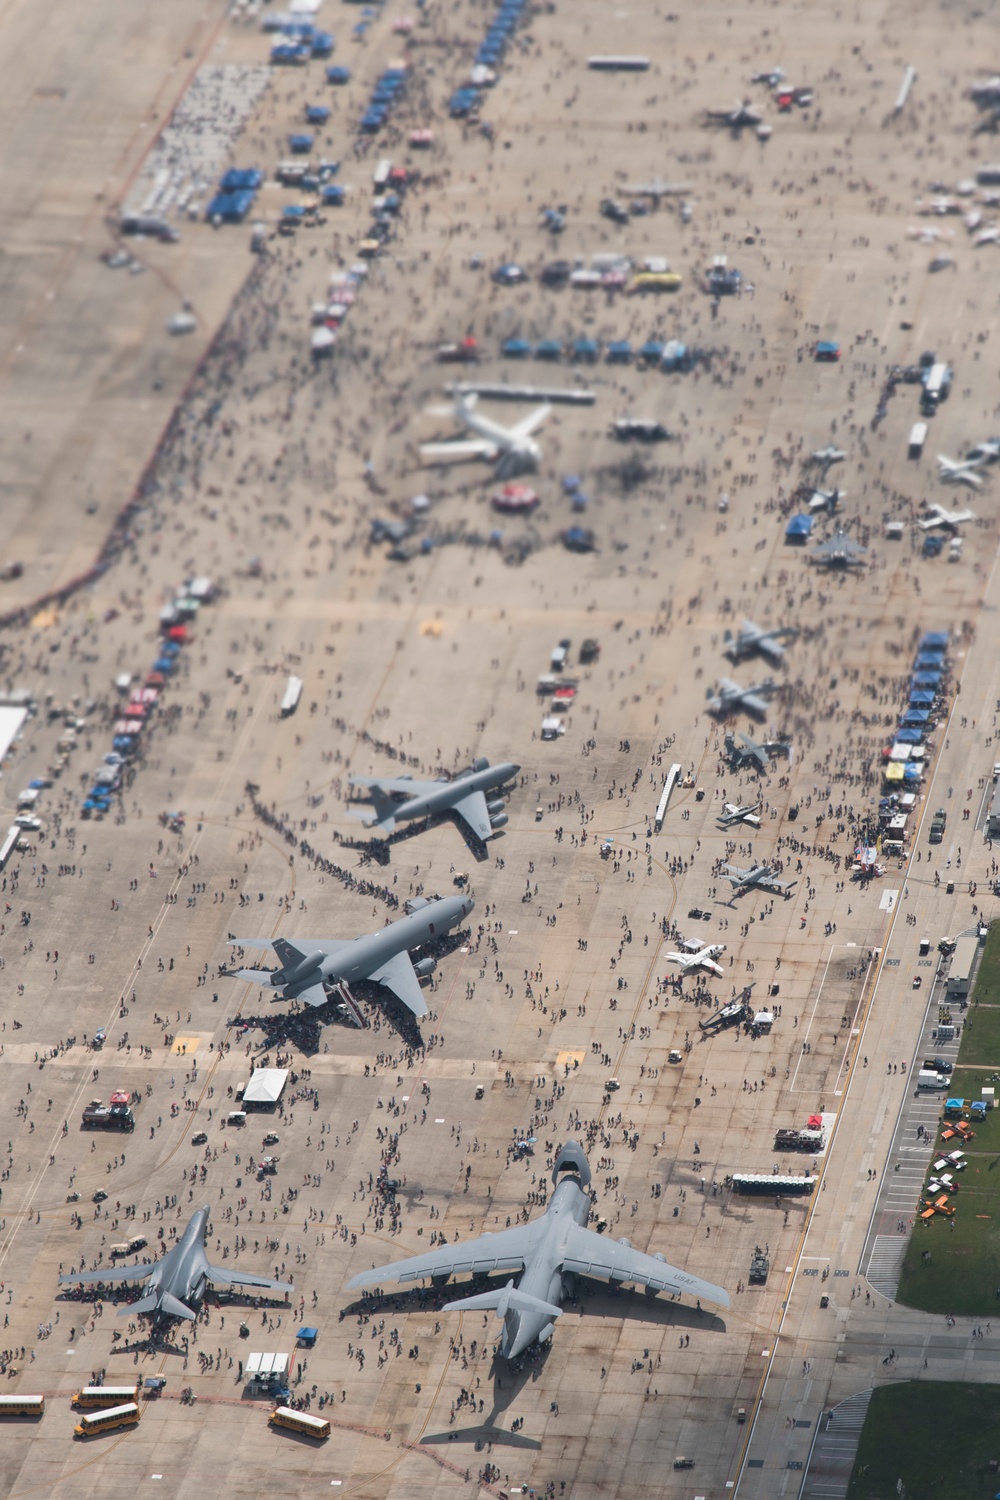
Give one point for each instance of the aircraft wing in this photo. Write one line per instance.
(221, 1276)
(108, 1277)
(404, 784)
(459, 448)
(754, 704)
(527, 424)
(709, 963)
(473, 809)
(506, 1251)
(399, 976)
(590, 1254)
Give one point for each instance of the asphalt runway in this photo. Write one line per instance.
(265, 470)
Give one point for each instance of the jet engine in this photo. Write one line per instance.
(496, 806)
(424, 966)
(497, 820)
(480, 763)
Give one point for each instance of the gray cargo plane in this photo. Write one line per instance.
(753, 752)
(759, 877)
(548, 1251)
(465, 795)
(176, 1284)
(309, 965)
(751, 638)
(729, 698)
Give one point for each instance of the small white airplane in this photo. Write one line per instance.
(927, 234)
(513, 448)
(750, 638)
(734, 813)
(937, 515)
(729, 698)
(703, 958)
(738, 117)
(953, 471)
(827, 456)
(985, 452)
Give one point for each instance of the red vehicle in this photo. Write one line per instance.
(515, 498)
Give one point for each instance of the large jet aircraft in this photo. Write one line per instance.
(513, 448)
(760, 877)
(838, 551)
(548, 1251)
(310, 965)
(729, 698)
(827, 456)
(176, 1284)
(938, 515)
(750, 638)
(400, 799)
(703, 958)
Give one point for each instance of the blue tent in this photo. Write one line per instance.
(922, 698)
(241, 179)
(909, 736)
(929, 661)
(232, 207)
(914, 716)
(934, 640)
(925, 679)
(799, 529)
(912, 771)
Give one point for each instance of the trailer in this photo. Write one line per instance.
(293, 692)
(799, 1140)
(771, 1185)
(673, 775)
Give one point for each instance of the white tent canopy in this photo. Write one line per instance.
(265, 1086)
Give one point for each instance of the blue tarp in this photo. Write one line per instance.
(241, 179)
(799, 529)
(233, 207)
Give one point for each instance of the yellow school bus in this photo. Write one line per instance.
(126, 1415)
(300, 1421)
(22, 1406)
(105, 1395)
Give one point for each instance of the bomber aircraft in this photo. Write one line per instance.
(751, 638)
(730, 698)
(549, 1251)
(176, 1284)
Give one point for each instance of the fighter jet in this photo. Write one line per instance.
(964, 472)
(826, 500)
(750, 638)
(549, 1250)
(753, 752)
(739, 117)
(950, 520)
(733, 812)
(465, 795)
(310, 965)
(760, 877)
(838, 551)
(175, 1285)
(704, 958)
(513, 448)
(729, 698)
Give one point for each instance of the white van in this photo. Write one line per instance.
(930, 1083)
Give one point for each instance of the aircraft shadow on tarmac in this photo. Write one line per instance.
(508, 1383)
(379, 848)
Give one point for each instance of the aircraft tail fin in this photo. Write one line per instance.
(385, 809)
(175, 1308)
(146, 1305)
(505, 1299)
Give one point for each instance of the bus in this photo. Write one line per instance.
(126, 1415)
(104, 1395)
(22, 1406)
(673, 775)
(300, 1421)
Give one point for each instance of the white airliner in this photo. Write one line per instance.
(937, 515)
(514, 449)
(703, 959)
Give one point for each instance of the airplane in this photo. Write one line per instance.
(704, 958)
(657, 189)
(751, 638)
(960, 472)
(733, 812)
(827, 456)
(937, 515)
(742, 115)
(730, 698)
(760, 877)
(751, 751)
(838, 551)
(987, 451)
(465, 795)
(175, 1285)
(548, 1251)
(827, 500)
(309, 965)
(513, 448)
